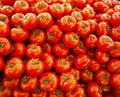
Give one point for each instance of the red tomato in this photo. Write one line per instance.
(5, 19)
(6, 2)
(105, 17)
(93, 25)
(62, 65)
(70, 58)
(1, 63)
(67, 82)
(71, 39)
(34, 67)
(82, 61)
(5, 46)
(48, 81)
(117, 8)
(67, 8)
(79, 3)
(56, 93)
(46, 48)
(11, 67)
(4, 92)
(108, 2)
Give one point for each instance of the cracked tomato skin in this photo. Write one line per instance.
(48, 82)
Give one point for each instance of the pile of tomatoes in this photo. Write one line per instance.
(59, 48)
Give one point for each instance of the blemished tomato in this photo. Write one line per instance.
(11, 69)
(4, 92)
(5, 46)
(28, 83)
(67, 82)
(48, 82)
(78, 91)
(82, 61)
(57, 93)
(62, 65)
(1, 63)
(34, 67)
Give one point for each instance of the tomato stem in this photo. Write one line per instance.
(1, 45)
(105, 76)
(33, 46)
(65, 77)
(25, 79)
(45, 81)
(3, 19)
(35, 33)
(10, 64)
(2, 87)
(57, 93)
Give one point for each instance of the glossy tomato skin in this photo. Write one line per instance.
(4, 92)
(33, 50)
(11, 83)
(57, 93)
(6, 2)
(54, 34)
(60, 50)
(34, 67)
(80, 3)
(46, 48)
(48, 81)
(28, 83)
(93, 25)
(45, 20)
(82, 61)
(20, 93)
(11, 67)
(19, 34)
(67, 82)
(30, 21)
(78, 91)
(18, 49)
(105, 17)
(62, 65)
(1, 63)
(67, 8)
(5, 46)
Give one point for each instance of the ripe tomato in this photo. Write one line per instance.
(116, 92)
(21, 6)
(28, 83)
(82, 61)
(5, 46)
(67, 8)
(45, 20)
(5, 19)
(78, 91)
(93, 25)
(54, 34)
(30, 21)
(117, 8)
(46, 48)
(19, 34)
(34, 67)
(67, 23)
(102, 77)
(67, 82)
(11, 67)
(114, 66)
(70, 58)
(33, 51)
(56, 93)
(1, 63)
(11, 83)
(48, 81)
(62, 65)
(79, 3)
(4, 92)
(6, 2)
(37, 36)
(105, 17)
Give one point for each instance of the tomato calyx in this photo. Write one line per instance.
(25, 79)
(35, 33)
(10, 64)
(19, 27)
(118, 70)
(1, 45)
(81, 45)
(118, 29)
(105, 77)
(57, 93)
(3, 19)
(65, 77)
(46, 81)
(83, 25)
(23, 4)
(108, 29)
(89, 73)
(75, 36)
(63, 62)
(2, 87)
(35, 61)
(33, 46)
(51, 35)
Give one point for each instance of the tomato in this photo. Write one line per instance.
(67, 23)
(67, 82)
(114, 66)
(20, 93)
(48, 60)
(34, 67)
(94, 65)
(48, 81)
(39, 93)
(54, 34)
(90, 41)
(117, 7)
(33, 50)
(11, 67)
(102, 29)
(67, 8)
(6, 2)
(71, 39)
(5, 46)
(79, 3)
(110, 12)
(101, 56)
(19, 34)
(88, 12)
(80, 49)
(105, 43)
(116, 92)
(1, 63)
(11, 83)
(93, 89)
(17, 19)
(114, 33)
(45, 20)
(91, 52)
(56, 10)
(86, 75)
(102, 77)
(4, 92)
(62, 65)
(28, 83)
(51, 1)
(93, 25)
(30, 21)
(115, 80)
(37, 36)
(83, 28)
(82, 61)
(5, 29)
(108, 2)
(21, 6)
(56, 93)
(70, 58)
(5, 19)
(78, 91)
(46, 48)
(105, 17)
(60, 50)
